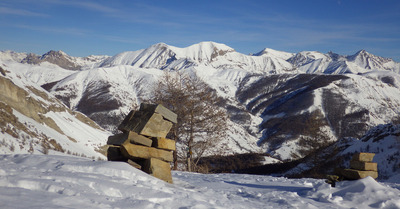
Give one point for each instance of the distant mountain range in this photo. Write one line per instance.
(286, 104)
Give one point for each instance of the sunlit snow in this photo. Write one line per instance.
(44, 181)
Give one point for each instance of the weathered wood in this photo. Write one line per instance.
(133, 151)
(133, 137)
(364, 166)
(356, 174)
(160, 109)
(158, 169)
(363, 157)
(163, 143)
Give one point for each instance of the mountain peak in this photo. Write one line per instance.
(203, 51)
(53, 53)
(274, 53)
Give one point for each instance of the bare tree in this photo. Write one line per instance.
(201, 120)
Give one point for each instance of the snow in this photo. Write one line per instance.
(270, 160)
(43, 181)
(275, 53)
(88, 139)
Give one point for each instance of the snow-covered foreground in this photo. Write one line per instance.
(44, 181)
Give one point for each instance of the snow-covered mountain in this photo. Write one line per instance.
(58, 58)
(215, 55)
(287, 104)
(383, 140)
(302, 112)
(331, 63)
(34, 121)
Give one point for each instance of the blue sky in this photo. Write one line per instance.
(82, 28)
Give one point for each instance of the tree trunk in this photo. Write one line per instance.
(189, 165)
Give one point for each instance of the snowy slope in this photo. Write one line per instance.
(266, 94)
(306, 111)
(331, 63)
(383, 140)
(219, 56)
(34, 181)
(34, 121)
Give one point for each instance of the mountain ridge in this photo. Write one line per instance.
(284, 106)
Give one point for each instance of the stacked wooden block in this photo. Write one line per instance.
(361, 166)
(143, 142)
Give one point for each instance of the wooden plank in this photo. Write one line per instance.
(133, 151)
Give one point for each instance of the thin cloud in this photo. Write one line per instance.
(69, 31)
(83, 5)
(20, 12)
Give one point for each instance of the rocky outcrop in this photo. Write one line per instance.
(55, 57)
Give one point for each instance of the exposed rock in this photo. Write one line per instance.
(134, 151)
(158, 169)
(134, 164)
(154, 157)
(166, 113)
(163, 143)
(364, 166)
(55, 57)
(133, 137)
(363, 157)
(2, 71)
(114, 154)
(353, 174)
(146, 123)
